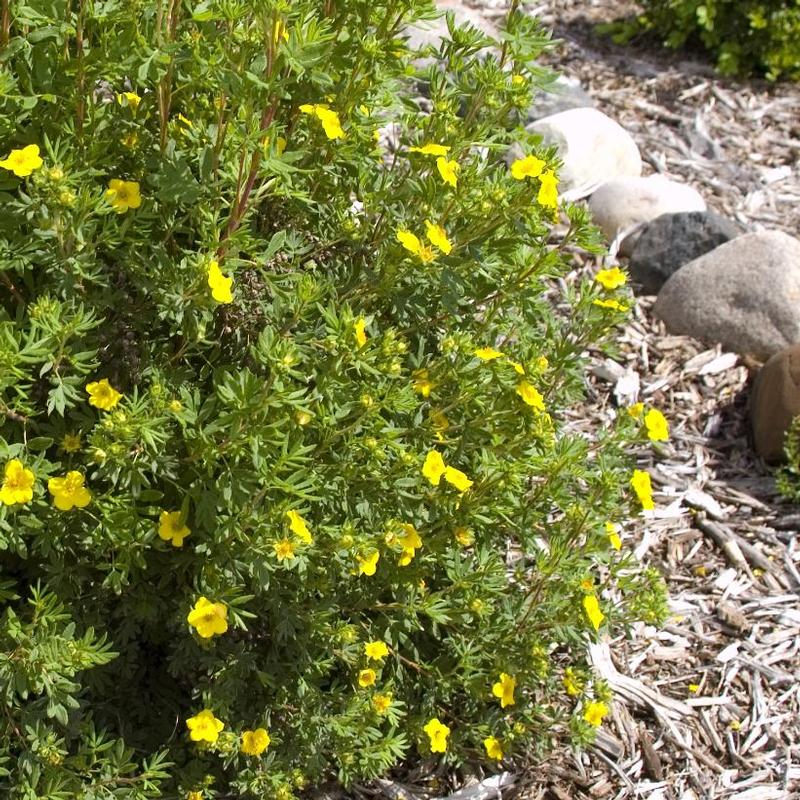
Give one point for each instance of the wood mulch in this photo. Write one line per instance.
(708, 706)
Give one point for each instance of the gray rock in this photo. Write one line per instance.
(775, 402)
(672, 240)
(744, 294)
(564, 94)
(620, 205)
(594, 148)
(432, 32)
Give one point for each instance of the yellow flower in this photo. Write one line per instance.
(594, 713)
(175, 406)
(643, 488)
(283, 549)
(518, 368)
(572, 683)
(410, 542)
(329, 119)
(614, 305)
(636, 410)
(24, 161)
(130, 140)
(611, 278)
(448, 170)
(254, 743)
(612, 531)
(102, 395)
(437, 236)
(548, 191)
(366, 677)
(694, 688)
(518, 80)
(434, 467)
(412, 243)
(219, 284)
(437, 733)
(376, 651)
(592, 608)
(455, 477)
(488, 353)
(170, 528)
(299, 527)
(504, 689)
(130, 99)
(208, 619)
(197, 794)
(464, 537)
(367, 565)
(279, 32)
(528, 167)
(657, 426)
(123, 195)
(439, 423)
(431, 150)
(204, 727)
(361, 335)
(421, 383)
(71, 442)
(493, 748)
(186, 123)
(381, 703)
(69, 492)
(530, 395)
(17, 485)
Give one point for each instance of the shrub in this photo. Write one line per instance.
(290, 485)
(745, 36)
(788, 477)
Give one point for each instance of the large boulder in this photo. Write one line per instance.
(672, 240)
(564, 94)
(775, 402)
(744, 294)
(594, 148)
(624, 203)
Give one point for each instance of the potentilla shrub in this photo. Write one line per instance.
(294, 478)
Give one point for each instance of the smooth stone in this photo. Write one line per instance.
(563, 94)
(621, 205)
(672, 240)
(775, 402)
(594, 148)
(744, 294)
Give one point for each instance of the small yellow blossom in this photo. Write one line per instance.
(694, 688)
(528, 167)
(518, 368)
(366, 677)
(657, 426)
(518, 80)
(303, 417)
(299, 527)
(437, 236)
(359, 326)
(422, 385)
(530, 395)
(329, 119)
(71, 442)
(219, 284)
(412, 243)
(464, 537)
(130, 140)
(493, 747)
(130, 99)
(102, 395)
(24, 161)
(642, 486)
(431, 150)
(195, 794)
(204, 727)
(279, 32)
(208, 619)
(636, 410)
(572, 683)
(175, 406)
(455, 477)
(381, 703)
(594, 713)
(614, 305)
(283, 549)
(376, 651)
(17, 485)
(434, 467)
(186, 123)
(437, 732)
(612, 531)
(548, 191)
(611, 278)
(254, 743)
(410, 541)
(448, 170)
(439, 423)
(488, 353)
(504, 689)
(592, 608)
(367, 565)
(123, 195)
(69, 492)
(171, 529)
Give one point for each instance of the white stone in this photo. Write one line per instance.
(620, 205)
(594, 148)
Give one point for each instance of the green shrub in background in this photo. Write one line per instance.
(788, 478)
(288, 485)
(745, 36)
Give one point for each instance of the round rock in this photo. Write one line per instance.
(594, 148)
(672, 240)
(620, 205)
(744, 294)
(564, 94)
(775, 402)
